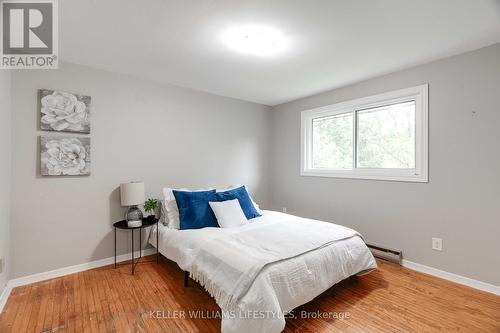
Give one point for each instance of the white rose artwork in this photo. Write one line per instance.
(64, 112)
(65, 156)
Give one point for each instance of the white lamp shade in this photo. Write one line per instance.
(132, 194)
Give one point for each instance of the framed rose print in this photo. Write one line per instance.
(64, 155)
(62, 111)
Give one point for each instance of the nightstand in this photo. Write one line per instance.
(146, 222)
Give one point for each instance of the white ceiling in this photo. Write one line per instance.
(332, 42)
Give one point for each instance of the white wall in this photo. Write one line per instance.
(5, 78)
(162, 134)
(461, 202)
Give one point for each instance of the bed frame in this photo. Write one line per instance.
(186, 274)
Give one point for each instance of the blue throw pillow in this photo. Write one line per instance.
(194, 210)
(241, 194)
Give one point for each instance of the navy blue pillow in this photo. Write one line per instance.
(241, 194)
(194, 210)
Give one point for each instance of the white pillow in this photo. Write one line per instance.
(170, 205)
(163, 217)
(229, 213)
(232, 187)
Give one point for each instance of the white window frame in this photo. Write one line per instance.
(419, 94)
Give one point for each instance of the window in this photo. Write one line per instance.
(379, 137)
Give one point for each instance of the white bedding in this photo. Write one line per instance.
(280, 286)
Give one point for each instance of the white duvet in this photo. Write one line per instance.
(266, 287)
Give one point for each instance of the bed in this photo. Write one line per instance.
(256, 295)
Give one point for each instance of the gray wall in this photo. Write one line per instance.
(164, 135)
(4, 174)
(461, 203)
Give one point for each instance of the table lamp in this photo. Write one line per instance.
(133, 194)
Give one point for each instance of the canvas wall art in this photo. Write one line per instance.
(65, 156)
(64, 112)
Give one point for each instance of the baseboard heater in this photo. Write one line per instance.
(380, 252)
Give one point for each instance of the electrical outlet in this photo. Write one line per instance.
(437, 244)
(284, 210)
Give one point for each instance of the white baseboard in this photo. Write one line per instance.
(65, 271)
(3, 297)
(452, 277)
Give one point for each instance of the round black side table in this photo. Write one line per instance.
(146, 222)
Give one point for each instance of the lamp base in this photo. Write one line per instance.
(134, 224)
(133, 216)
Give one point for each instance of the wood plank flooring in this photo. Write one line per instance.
(392, 299)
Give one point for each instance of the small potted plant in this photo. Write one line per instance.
(150, 207)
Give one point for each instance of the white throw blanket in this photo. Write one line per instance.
(228, 265)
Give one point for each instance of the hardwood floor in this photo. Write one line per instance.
(392, 299)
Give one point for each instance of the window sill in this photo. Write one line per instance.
(350, 175)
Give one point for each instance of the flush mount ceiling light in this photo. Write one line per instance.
(255, 40)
